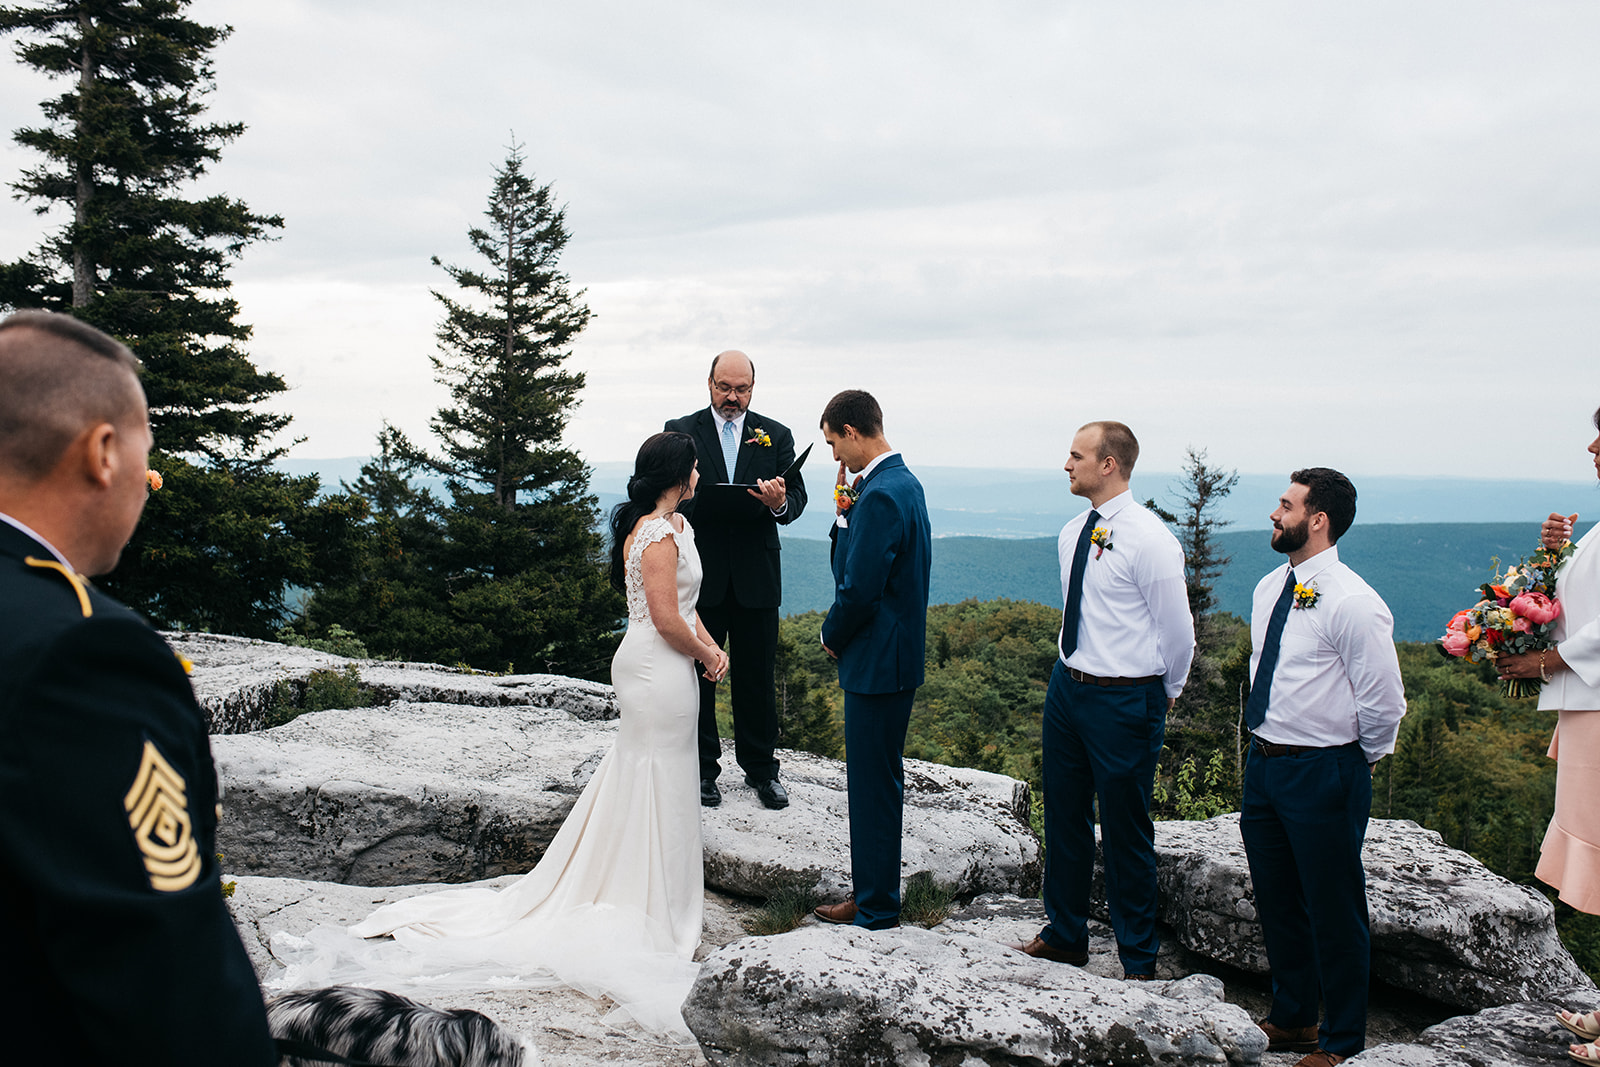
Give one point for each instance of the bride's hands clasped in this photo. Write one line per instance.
(715, 662)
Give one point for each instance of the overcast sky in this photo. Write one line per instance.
(1365, 235)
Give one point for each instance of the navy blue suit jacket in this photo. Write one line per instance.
(878, 624)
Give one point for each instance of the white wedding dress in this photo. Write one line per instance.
(614, 906)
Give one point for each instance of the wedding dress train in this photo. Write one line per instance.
(614, 906)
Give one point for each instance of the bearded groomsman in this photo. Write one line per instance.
(743, 584)
(1127, 639)
(1325, 705)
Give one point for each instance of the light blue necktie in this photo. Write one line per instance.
(730, 448)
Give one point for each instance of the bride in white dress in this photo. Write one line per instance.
(614, 906)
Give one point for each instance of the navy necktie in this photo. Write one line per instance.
(1070, 614)
(1255, 709)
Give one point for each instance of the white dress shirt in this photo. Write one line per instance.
(1338, 678)
(1134, 616)
(9, 521)
(839, 520)
(1577, 631)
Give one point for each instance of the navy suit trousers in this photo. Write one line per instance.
(1303, 820)
(1101, 741)
(874, 742)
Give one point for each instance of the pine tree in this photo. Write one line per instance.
(391, 594)
(224, 537)
(518, 576)
(135, 259)
(1206, 717)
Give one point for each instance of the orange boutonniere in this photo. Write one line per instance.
(153, 480)
(844, 496)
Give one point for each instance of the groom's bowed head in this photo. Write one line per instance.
(852, 425)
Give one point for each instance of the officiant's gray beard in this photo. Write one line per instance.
(1288, 539)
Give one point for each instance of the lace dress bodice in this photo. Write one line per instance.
(689, 572)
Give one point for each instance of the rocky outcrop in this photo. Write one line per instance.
(1442, 923)
(1525, 1034)
(843, 996)
(236, 680)
(968, 828)
(434, 792)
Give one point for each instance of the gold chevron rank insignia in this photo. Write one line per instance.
(158, 812)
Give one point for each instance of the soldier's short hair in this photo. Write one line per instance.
(58, 376)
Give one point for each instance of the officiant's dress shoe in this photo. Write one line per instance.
(771, 792)
(836, 913)
(1289, 1038)
(1041, 949)
(710, 795)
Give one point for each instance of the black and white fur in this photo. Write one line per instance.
(391, 1030)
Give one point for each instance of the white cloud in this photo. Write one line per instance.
(1332, 233)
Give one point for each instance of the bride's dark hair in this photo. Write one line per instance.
(665, 460)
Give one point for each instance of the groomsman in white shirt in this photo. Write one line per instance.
(1325, 705)
(1127, 639)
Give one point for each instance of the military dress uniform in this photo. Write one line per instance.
(118, 946)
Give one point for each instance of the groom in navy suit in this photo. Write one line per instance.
(877, 630)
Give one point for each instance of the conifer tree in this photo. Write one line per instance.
(520, 569)
(222, 539)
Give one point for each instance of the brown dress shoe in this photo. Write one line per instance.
(1289, 1039)
(836, 913)
(1041, 949)
(1322, 1058)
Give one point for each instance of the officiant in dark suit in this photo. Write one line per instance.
(737, 533)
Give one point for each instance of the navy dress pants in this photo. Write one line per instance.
(1303, 821)
(1101, 741)
(752, 642)
(874, 742)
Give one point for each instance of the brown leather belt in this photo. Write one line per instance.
(1089, 679)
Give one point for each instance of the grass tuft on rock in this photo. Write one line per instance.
(925, 900)
(783, 911)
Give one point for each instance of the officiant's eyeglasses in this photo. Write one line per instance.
(724, 389)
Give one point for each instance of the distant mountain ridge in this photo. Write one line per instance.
(1425, 544)
(1425, 572)
(975, 502)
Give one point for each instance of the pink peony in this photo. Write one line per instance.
(1521, 625)
(1536, 608)
(1456, 643)
(1459, 623)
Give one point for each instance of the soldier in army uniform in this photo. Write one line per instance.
(118, 945)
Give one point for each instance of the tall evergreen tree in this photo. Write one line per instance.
(517, 580)
(223, 538)
(1206, 717)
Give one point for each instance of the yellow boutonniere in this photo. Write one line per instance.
(1306, 596)
(1101, 539)
(758, 436)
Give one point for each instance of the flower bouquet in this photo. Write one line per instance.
(1517, 614)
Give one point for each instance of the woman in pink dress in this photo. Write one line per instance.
(1569, 860)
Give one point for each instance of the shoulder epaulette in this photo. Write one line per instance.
(79, 586)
